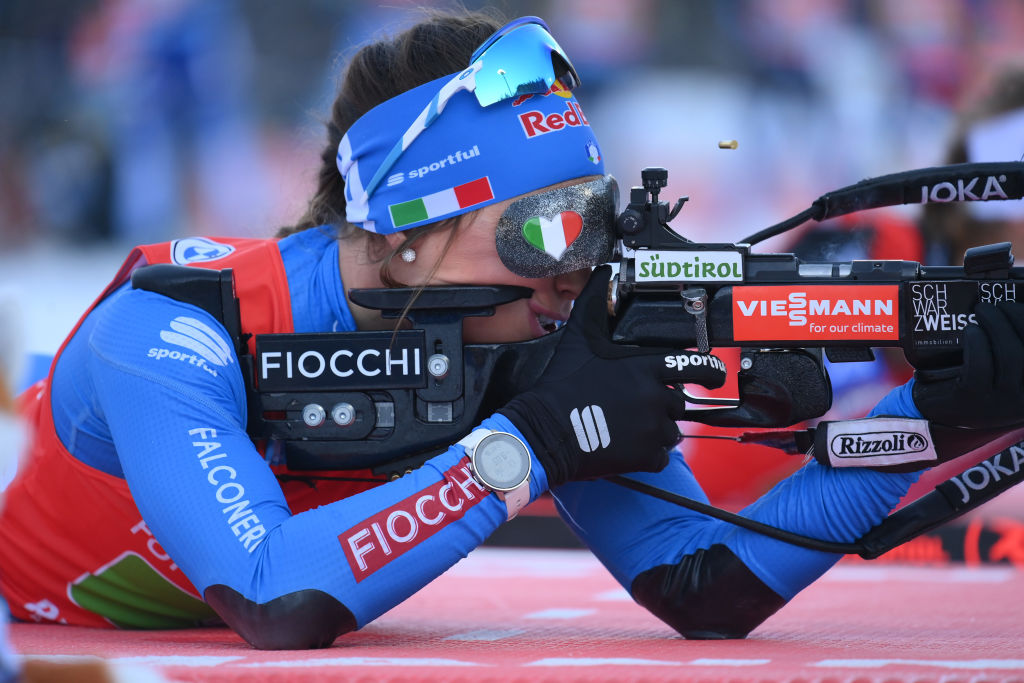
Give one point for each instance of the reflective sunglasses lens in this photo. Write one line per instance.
(524, 61)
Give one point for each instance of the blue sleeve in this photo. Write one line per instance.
(175, 405)
(632, 532)
(898, 402)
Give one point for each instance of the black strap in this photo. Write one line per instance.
(211, 290)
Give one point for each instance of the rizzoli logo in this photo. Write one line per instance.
(877, 443)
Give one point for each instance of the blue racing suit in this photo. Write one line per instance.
(174, 431)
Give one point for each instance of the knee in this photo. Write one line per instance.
(302, 620)
(710, 594)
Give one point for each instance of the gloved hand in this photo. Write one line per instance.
(602, 408)
(987, 390)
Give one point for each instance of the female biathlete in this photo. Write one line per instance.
(144, 503)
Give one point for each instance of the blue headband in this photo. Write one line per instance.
(469, 157)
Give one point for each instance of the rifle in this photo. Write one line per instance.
(391, 400)
(780, 310)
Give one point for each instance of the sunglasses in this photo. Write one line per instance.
(521, 58)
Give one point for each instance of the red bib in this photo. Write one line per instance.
(73, 545)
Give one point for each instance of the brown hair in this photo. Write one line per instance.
(952, 224)
(438, 45)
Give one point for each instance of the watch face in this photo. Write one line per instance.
(501, 461)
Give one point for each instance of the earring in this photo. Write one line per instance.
(408, 255)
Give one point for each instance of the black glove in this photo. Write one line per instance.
(602, 408)
(987, 390)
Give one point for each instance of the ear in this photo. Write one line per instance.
(395, 239)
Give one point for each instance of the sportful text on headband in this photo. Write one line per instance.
(510, 126)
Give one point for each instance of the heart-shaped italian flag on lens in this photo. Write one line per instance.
(553, 235)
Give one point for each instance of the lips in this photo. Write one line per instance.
(547, 321)
(549, 324)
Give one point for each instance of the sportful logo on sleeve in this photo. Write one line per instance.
(207, 346)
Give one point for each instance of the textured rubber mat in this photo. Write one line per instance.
(507, 614)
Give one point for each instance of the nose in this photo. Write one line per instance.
(569, 285)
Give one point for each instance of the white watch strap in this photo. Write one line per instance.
(470, 441)
(516, 499)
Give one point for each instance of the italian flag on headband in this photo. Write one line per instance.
(553, 235)
(441, 203)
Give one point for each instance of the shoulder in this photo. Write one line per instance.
(156, 335)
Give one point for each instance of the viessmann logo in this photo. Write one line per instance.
(816, 312)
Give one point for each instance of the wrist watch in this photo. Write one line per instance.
(501, 463)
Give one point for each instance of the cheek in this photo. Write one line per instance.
(480, 267)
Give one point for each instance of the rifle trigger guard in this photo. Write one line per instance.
(695, 302)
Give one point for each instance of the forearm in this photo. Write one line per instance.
(375, 549)
(218, 511)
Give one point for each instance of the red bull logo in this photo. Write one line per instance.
(538, 123)
(556, 89)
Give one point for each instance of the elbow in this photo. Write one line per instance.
(302, 620)
(709, 594)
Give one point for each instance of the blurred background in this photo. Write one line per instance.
(135, 121)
